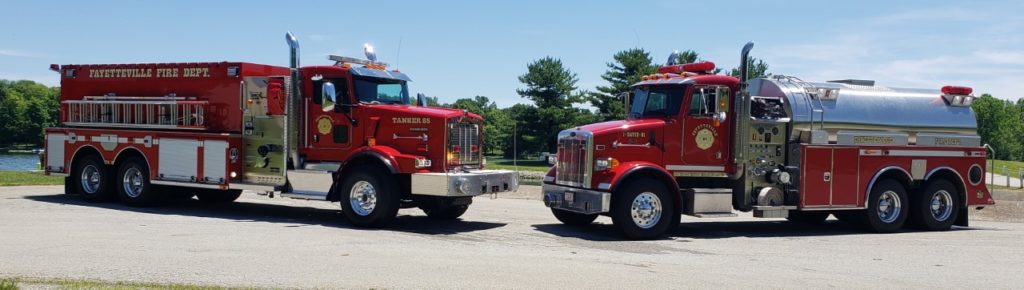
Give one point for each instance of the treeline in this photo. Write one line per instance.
(26, 109)
(1001, 125)
(553, 102)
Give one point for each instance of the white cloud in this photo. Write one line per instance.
(15, 53)
(1000, 56)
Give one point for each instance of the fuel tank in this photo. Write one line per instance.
(859, 106)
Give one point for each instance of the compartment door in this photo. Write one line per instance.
(178, 159)
(816, 177)
(215, 160)
(845, 167)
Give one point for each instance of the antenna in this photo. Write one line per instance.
(398, 56)
(637, 35)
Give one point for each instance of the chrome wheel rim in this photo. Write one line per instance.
(132, 182)
(90, 179)
(646, 210)
(363, 198)
(941, 205)
(889, 207)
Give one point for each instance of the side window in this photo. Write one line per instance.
(340, 87)
(708, 100)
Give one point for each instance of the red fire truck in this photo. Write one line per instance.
(345, 132)
(706, 145)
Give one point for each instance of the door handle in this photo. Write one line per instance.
(827, 176)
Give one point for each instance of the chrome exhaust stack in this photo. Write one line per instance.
(291, 123)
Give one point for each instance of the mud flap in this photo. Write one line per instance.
(68, 188)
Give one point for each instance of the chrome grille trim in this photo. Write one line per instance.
(465, 135)
(574, 164)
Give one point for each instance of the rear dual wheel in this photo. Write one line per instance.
(936, 207)
(133, 186)
(91, 179)
(887, 207)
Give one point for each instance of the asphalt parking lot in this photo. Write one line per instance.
(510, 242)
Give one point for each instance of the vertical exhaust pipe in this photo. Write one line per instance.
(291, 122)
(744, 62)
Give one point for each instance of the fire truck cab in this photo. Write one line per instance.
(347, 132)
(708, 145)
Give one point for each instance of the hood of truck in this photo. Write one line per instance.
(612, 127)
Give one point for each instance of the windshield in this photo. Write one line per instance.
(656, 101)
(384, 91)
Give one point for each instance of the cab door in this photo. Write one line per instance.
(706, 133)
(328, 131)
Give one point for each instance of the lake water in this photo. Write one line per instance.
(19, 162)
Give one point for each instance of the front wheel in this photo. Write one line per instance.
(368, 200)
(218, 196)
(807, 217)
(442, 208)
(572, 218)
(133, 184)
(643, 209)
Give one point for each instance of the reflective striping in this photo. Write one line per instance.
(696, 167)
(926, 153)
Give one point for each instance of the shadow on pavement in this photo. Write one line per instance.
(259, 212)
(720, 230)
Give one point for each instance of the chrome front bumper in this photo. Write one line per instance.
(577, 200)
(472, 183)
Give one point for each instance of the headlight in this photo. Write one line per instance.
(606, 163)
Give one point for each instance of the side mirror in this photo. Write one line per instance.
(328, 96)
(421, 100)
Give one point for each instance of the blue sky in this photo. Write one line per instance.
(455, 49)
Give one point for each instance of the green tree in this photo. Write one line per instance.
(497, 123)
(1000, 125)
(27, 108)
(551, 86)
(756, 68)
(627, 68)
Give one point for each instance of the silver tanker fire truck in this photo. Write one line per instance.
(706, 145)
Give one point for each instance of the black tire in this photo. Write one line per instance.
(218, 196)
(450, 212)
(91, 179)
(376, 210)
(807, 217)
(656, 224)
(133, 186)
(897, 207)
(943, 217)
(572, 218)
(444, 208)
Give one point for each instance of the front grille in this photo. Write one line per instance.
(574, 159)
(464, 143)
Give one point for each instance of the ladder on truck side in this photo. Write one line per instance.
(167, 112)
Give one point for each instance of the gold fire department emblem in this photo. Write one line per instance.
(705, 138)
(324, 125)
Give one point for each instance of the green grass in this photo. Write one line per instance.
(523, 165)
(12, 284)
(15, 178)
(1012, 167)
